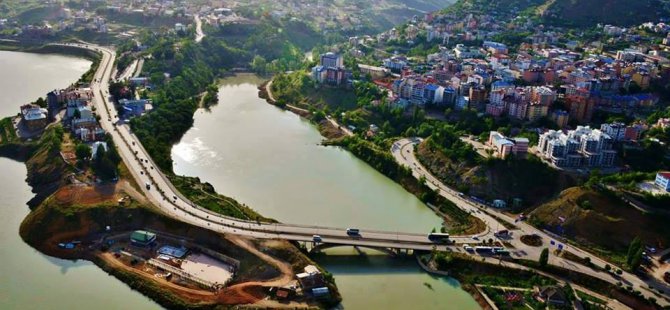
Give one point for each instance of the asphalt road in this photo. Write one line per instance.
(162, 193)
(164, 196)
(403, 151)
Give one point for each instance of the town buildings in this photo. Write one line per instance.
(331, 70)
(135, 107)
(663, 180)
(142, 238)
(311, 277)
(583, 147)
(621, 132)
(505, 146)
(34, 117)
(488, 77)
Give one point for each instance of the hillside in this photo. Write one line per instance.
(528, 179)
(579, 13)
(599, 220)
(618, 12)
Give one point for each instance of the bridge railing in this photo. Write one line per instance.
(253, 225)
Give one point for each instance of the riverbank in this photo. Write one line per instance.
(91, 213)
(456, 220)
(40, 48)
(93, 225)
(327, 128)
(65, 209)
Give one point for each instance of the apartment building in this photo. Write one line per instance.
(581, 147)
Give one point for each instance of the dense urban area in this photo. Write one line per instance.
(537, 131)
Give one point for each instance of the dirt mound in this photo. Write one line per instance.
(241, 294)
(601, 219)
(86, 195)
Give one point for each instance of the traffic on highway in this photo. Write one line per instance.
(163, 195)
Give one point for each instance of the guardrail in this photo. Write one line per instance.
(236, 223)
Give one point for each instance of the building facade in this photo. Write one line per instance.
(583, 147)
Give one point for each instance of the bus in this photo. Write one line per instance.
(438, 237)
(483, 249)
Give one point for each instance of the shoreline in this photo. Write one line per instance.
(25, 152)
(68, 51)
(326, 128)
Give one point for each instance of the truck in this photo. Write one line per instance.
(147, 185)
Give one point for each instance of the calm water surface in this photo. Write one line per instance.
(25, 77)
(271, 160)
(28, 279)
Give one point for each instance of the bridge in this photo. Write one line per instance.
(163, 195)
(319, 247)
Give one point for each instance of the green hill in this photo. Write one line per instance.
(591, 12)
(577, 13)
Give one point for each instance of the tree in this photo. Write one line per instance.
(83, 152)
(41, 102)
(634, 247)
(636, 260)
(544, 257)
(410, 132)
(259, 64)
(100, 154)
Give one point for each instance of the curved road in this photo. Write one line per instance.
(403, 151)
(165, 197)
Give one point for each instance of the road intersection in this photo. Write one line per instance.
(403, 152)
(164, 196)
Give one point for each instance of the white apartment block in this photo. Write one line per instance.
(581, 147)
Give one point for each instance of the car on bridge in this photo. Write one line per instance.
(439, 237)
(353, 232)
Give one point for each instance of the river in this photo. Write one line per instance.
(28, 279)
(26, 77)
(271, 160)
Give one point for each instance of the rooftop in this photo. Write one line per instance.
(142, 236)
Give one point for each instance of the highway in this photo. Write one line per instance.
(403, 152)
(165, 197)
(162, 193)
